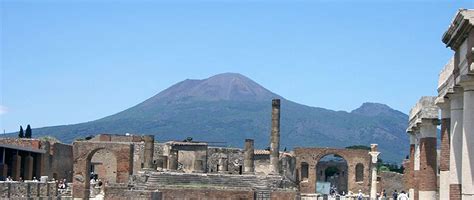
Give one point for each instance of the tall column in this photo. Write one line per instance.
(411, 169)
(249, 156)
(173, 160)
(373, 185)
(428, 157)
(275, 137)
(16, 167)
(28, 167)
(468, 142)
(148, 153)
(444, 153)
(455, 154)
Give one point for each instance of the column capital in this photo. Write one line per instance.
(374, 155)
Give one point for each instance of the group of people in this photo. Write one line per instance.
(20, 179)
(383, 195)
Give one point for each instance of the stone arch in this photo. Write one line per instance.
(352, 157)
(83, 151)
(105, 165)
(333, 170)
(359, 172)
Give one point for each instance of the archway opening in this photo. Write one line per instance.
(103, 166)
(331, 175)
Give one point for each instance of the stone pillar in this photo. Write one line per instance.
(3, 170)
(28, 168)
(275, 137)
(173, 160)
(148, 152)
(373, 183)
(444, 146)
(411, 169)
(45, 164)
(468, 142)
(223, 165)
(428, 159)
(16, 167)
(455, 154)
(249, 156)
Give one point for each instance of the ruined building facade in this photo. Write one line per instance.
(455, 102)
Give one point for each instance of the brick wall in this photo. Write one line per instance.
(445, 135)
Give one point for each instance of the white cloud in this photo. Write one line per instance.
(3, 110)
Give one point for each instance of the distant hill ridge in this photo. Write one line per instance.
(230, 107)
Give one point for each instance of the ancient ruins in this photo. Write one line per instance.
(449, 174)
(130, 166)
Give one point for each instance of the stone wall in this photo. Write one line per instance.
(390, 181)
(235, 158)
(122, 192)
(12, 190)
(311, 156)
(61, 161)
(198, 194)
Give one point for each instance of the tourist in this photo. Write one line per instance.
(9, 179)
(384, 194)
(360, 196)
(395, 195)
(403, 196)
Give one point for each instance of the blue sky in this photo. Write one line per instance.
(64, 63)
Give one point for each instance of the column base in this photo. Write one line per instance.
(427, 194)
(444, 185)
(455, 192)
(411, 193)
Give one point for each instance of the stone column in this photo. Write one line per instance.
(3, 170)
(411, 169)
(468, 142)
(249, 156)
(444, 153)
(16, 167)
(28, 168)
(148, 152)
(373, 184)
(173, 160)
(428, 157)
(45, 163)
(455, 154)
(275, 137)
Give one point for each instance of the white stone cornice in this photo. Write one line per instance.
(460, 26)
(467, 82)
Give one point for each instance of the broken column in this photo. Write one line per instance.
(148, 152)
(275, 137)
(373, 184)
(249, 156)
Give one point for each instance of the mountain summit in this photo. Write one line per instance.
(230, 107)
(226, 86)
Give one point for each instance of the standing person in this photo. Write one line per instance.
(395, 195)
(384, 194)
(403, 196)
(360, 196)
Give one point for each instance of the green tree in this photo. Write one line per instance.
(21, 134)
(28, 131)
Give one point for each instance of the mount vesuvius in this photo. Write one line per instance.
(230, 107)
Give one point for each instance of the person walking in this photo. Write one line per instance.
(403, 196)
(395, 195)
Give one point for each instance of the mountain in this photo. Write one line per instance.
(230, 107)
